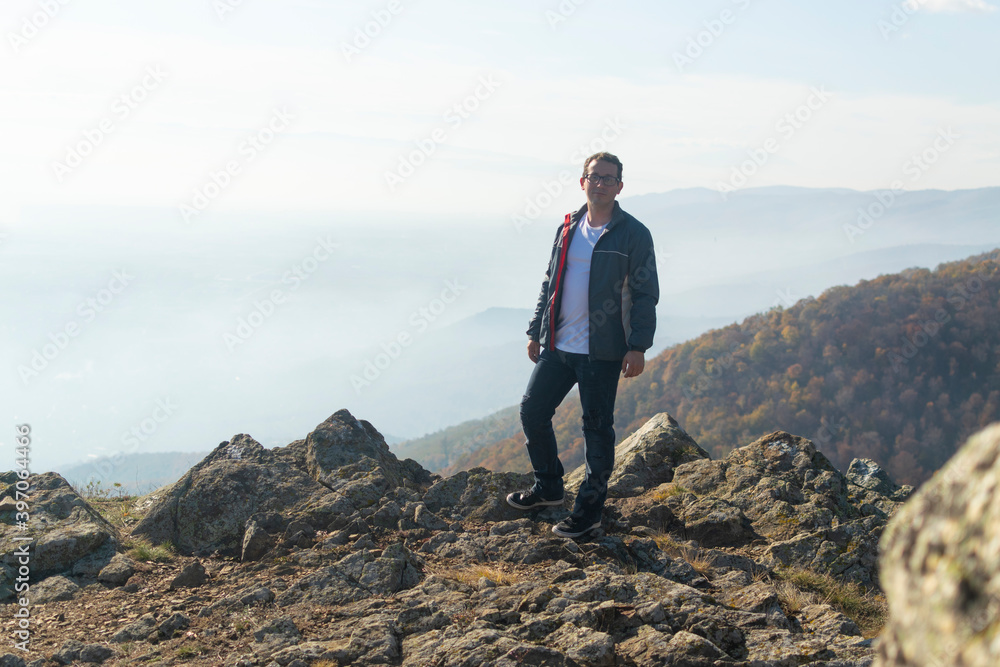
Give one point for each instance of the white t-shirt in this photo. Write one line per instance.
(573, 326)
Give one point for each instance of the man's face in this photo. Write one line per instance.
(598, 193)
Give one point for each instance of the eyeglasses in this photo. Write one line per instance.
(609, 181)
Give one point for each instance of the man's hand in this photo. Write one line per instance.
(633, 363)
(534, 349)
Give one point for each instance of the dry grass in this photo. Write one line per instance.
(501, 575)
(799, 588)
(670, 491)
(695, 557)
(116, 511)
(793, 599)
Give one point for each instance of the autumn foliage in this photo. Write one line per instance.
(900, 369)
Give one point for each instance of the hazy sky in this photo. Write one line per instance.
(184, 161)
(474, 107)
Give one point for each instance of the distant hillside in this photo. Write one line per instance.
(137, 473)
(443, 448)
(899, 369)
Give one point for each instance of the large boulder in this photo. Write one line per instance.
(343, 467)
(647, 458)
(940, 568)
(64, 530)
(207, 509)
(790, 493)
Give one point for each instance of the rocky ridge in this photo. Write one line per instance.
(330, 551)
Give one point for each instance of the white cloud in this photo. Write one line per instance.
(950, 5)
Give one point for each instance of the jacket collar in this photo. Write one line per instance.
(616, 215)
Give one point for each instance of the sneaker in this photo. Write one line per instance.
(574, 527)
(530, 499)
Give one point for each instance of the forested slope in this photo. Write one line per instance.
(900, 369)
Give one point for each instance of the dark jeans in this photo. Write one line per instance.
(554, 375)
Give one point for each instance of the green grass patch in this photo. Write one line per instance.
(145, 552)
(868, 609)
(190, 651)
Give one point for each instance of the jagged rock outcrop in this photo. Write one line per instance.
(234, 500)
(783, 495)
(330, 549)
(67, 535)
(647, 458)
(941, 565)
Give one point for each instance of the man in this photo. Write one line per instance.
(594, 320)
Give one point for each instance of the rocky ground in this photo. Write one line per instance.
(330, 551)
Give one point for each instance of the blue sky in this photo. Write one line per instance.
(895, 74)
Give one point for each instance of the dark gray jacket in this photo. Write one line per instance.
(623, 288)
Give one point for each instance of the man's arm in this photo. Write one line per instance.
(535, 325)
(644, 289)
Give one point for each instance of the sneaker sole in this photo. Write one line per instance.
(566, 533)
(543, 503)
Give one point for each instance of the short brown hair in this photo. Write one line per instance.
(607, 157)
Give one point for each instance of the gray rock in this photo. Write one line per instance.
(387, 515)
(69, 652)
(11, 660)
(118, 571)
(870, 476)
(257, 595)
(759, 598)
(282, 627)
(649, 648)
(477, 494)
(174, 623)
(256, 542)
(95, 653)
(343, 446)
(207, 509)
(71, 529)
(714, 522)
(355, 577)
(794, 498)
(647, 458)
(192, 576)
(586, 646)
(689, 648)
(53, 589)
(940, 568)
(137, 630)
(342, 467)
